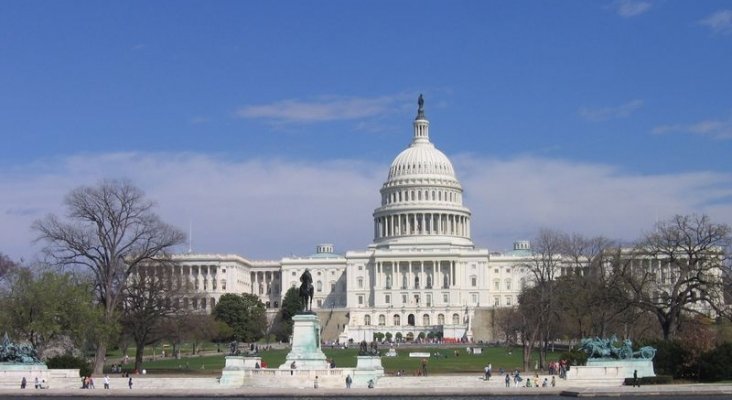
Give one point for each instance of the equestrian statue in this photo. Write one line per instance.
(306, 291)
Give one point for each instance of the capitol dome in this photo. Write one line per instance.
(421, 158)
(421, 200)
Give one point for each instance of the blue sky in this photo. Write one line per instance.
(270, 125)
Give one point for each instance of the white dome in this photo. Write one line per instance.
(421, 159)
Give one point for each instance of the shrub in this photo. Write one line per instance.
(714, 364)
(673, 358)
(575, 357)
(68, 361)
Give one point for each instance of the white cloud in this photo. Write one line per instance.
(322, 109)
(607, 113)
(716, 129)
(630, 8)
(719, 22)
(274, 208)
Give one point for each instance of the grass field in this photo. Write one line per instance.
(443, 360)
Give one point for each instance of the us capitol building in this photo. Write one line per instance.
(421, 274)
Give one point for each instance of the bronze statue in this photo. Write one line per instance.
(420, 103)
(306, 291)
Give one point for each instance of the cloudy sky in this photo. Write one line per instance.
(270, 126)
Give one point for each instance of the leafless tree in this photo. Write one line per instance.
(678, 269)
(110, 229)
(544, 267)
(591, 293)
(6, 266)
(149, 298)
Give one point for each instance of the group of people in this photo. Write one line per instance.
(517, 381)
(559, 368)
(39, 384)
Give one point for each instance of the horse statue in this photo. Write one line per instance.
(306, 291)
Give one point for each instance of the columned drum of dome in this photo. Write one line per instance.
(422, 199)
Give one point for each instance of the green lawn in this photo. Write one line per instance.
(447, 362)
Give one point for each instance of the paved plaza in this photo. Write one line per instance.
(438, 385)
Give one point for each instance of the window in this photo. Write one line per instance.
(508, 300)
(223, 284)
(473, 281)
(523, 283)
(404, 298)
(429, 300)
(497, 301)
(455, 319)
(426, 320)
(387, 298)
(382, 319)
(332, 286)
(446, 298)
(360, 300)
(495, 270)
(440, 319)
(319, 303)
(360, 267)
(319, 286)
(294, 273)
(416, 299)
(194, 303)
(508, 284)
(497, 284)
(359, 282)
(474, 297)
(367, 320)
(397, 320)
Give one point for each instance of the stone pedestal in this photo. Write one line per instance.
(235, 369)
(643, 366)
(306, 351)
(367, 368)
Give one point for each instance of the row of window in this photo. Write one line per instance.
(418, 195)
(397, 319)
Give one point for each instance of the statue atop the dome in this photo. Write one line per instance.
(420, 110)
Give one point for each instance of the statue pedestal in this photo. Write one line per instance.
(643, 366)
(306, 351)
(235, 369)
(367, 368)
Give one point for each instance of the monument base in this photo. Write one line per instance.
(367, 368)
(306, 352)
(643, 366)
(235, 369)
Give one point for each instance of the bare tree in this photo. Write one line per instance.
(149, 298)
(6, 266)
(591, 293)
(110, 229)
(679, 268)
(544, 267)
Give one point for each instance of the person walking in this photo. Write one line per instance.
(508, 380)
(129, 383)
(636, 382)
(315, 383)
(23, 382)
(348, 381)
(106, 381)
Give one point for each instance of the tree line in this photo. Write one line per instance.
(101, 281)
(666, 286)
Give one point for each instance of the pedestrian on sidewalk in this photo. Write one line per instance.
(129, 383)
